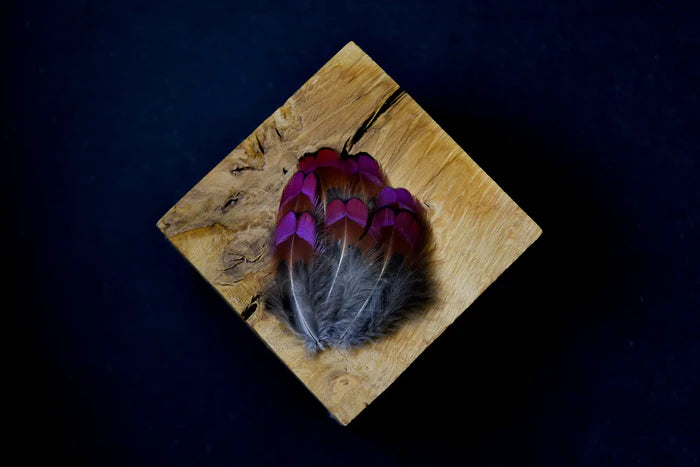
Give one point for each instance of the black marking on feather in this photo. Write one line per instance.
(371, 120)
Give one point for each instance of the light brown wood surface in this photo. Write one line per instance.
(222, 226)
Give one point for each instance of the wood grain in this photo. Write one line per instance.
(223, 224)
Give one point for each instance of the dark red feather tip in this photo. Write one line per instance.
(335, 211)
(386, 222)
(407, 226)
(307, 163)
(357, 211)
(328, 158)
(354, 209)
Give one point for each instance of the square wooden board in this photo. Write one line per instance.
(223, 224)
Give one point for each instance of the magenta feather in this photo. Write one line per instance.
(350, 250)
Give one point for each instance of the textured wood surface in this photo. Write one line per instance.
(222, 226)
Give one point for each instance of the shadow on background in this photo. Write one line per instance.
(504, 353)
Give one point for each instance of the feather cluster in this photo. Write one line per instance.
(350, 252)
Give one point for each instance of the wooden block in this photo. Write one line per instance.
(222, 226)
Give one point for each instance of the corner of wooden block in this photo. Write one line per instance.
(162, 225)
(350, 45)
(343, 422)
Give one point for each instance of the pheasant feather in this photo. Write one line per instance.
(350, 251)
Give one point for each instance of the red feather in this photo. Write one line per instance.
(351, 251)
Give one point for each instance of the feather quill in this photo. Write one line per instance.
(350, 250)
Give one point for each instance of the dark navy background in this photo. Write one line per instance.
(585, 352)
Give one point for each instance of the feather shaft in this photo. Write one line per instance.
(297, 306)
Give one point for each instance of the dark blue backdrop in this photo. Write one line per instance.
(585, 352)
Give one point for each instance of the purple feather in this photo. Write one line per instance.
(350, 269)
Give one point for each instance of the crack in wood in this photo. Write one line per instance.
(239, 258)
(260, 146)
(231, 202)
(250, 309)
(372, 119)
(238, 170)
